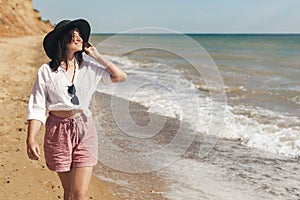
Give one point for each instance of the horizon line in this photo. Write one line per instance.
(111, 33)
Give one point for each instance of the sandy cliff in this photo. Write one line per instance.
(17, 17)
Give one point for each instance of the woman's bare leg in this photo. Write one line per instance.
(66, 178)
(81, 178)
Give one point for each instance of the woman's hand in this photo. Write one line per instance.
(90, 50)
(33, 150)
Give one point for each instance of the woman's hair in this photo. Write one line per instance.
(61, 50)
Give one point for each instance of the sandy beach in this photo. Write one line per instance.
(22, 178)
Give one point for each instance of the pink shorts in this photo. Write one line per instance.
(70, 142)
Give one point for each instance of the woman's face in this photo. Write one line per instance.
(76, 43)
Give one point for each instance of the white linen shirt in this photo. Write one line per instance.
(50, 90)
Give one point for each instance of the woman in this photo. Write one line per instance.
(64, 87)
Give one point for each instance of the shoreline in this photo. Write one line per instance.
(21, 177)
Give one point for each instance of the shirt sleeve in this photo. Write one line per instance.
(37, 100)
(106, 78)
(102, 74)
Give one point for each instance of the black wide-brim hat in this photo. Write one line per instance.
(50, 40)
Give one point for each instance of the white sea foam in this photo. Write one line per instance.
(264, 129)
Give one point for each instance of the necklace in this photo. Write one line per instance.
(67, 72)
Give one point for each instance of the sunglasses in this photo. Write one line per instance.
(72, 91)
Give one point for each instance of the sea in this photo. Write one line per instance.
(241, 92)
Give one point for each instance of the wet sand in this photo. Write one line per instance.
(230, 170)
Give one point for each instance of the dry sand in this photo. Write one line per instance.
(22, 178)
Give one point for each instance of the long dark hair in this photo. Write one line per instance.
(61, 50)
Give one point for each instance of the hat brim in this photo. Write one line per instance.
(51, 38)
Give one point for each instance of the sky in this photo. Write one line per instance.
(185, 16)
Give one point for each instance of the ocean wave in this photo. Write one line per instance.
(263, 129)
(227, 89)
